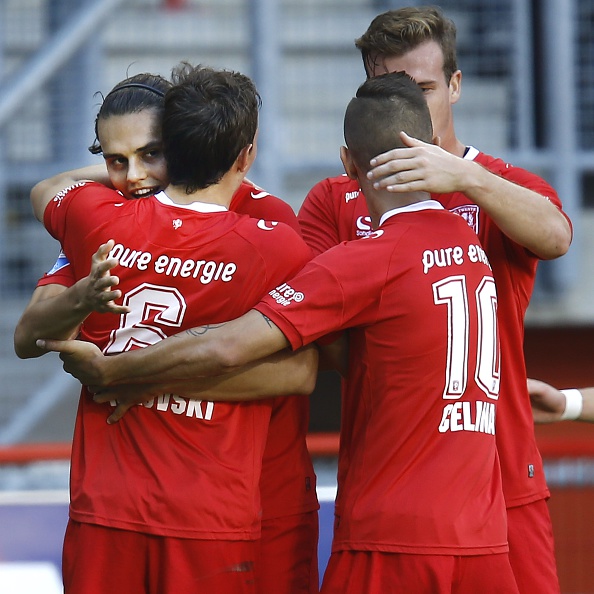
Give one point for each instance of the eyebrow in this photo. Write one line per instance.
(141, 149)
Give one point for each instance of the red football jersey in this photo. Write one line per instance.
(288, 479)
(335, 210)
(288, 482)
(174, 467)
(419, 295)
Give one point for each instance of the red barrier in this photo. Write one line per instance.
(319, 444)
(34, 452)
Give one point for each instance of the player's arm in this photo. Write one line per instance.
(550, 405)
(281, 374)
(44, 191)
(525, 216)
(198, 352)
(57, 311)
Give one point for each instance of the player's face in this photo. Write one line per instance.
(132, 148)
(425, 65)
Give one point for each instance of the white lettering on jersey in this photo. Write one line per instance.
(197, 409)
(442, 257)
(351, 196)
(374, 234)
(468, 416)
(285, 294)
(453, 256)
(206, 271)
(477, 254)
(60, 195)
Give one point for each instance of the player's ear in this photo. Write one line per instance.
(455, 86)
(347, 162)
(246, 157)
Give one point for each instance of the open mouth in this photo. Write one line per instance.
(144, 192)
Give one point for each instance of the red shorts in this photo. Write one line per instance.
(532, 548)
(353, 572)
(289, 555)
(100, 560)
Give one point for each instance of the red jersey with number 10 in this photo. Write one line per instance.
(419, 297)
(335, 210)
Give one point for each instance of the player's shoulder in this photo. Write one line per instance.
(257, 202)
(499, 165)
(272, 239)
(264, 229)
(336, 185)
(332, 193)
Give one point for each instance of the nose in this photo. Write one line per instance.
(136, 170)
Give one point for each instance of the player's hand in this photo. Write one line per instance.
(548, 403)
(422, 167)
(124, 397)
(97, 289)
(81, 359)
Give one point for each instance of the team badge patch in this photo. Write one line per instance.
(470, 213)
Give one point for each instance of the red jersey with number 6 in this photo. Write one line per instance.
(174, 466)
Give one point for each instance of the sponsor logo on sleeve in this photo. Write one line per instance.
(285, 295)
(62, 193)
(177, 223)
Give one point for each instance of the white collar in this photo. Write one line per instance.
(196, 206)
(415, 207)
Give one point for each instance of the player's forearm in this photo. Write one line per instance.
(53, 312)
(523, 215)
(281, 374)
(203, 351)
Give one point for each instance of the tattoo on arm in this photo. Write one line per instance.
(268, 321)
(200, 330)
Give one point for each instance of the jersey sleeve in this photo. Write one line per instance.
(533, 182)
(260, 204)
(318, 220)
(69, 206)
(327, 296)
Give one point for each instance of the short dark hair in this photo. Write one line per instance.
(210, 116)
(132, 95)
(383, 107)
(396, 32)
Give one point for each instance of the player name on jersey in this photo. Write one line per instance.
(468, 416)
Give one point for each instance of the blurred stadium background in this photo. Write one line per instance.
(528, 96)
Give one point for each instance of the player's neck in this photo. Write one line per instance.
(452, 145)
(382, 202)
(220, 193)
